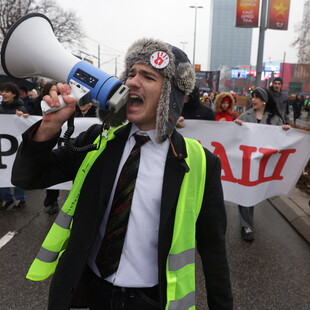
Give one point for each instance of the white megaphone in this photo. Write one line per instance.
(45, 56)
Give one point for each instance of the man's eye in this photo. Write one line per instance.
(149, 78)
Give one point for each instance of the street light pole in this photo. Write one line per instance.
(183, 44)
(195, 7)
(99, 56)
(261, 41)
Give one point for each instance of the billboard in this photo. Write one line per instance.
(239, 73)
(208, 80)
(278, 14)
(247, 13)
(272, 66)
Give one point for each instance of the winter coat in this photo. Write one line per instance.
(250, 117)
(10, 108)
(197, 111)
(282, 104)
(229, 114)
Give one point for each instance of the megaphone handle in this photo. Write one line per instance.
(77, 91)
(46, 109)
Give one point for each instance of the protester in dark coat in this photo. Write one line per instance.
(195, 109)
(28, 102)
(10, 99)
(12, 104)
(280, 98)
(297, 104)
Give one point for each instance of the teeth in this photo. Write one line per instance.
(134, 97)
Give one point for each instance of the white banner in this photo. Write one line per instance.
(11, 129)
(258, 161)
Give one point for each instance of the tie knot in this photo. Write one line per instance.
(140, 140)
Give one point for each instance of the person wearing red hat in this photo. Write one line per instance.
(224, 107)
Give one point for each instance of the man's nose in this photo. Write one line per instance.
(134, 81)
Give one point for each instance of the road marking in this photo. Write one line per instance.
(6, 238)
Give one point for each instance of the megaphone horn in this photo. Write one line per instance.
(45, 56)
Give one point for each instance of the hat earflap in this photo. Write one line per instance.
(162, 114)
(185, 77)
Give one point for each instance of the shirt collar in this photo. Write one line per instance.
(151, 133)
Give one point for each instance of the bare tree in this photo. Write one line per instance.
(302, 42)
(66, 25)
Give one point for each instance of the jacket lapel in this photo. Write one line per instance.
(103, 170)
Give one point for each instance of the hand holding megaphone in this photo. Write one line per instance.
(77, 92)
(64, 105)
(59, 99)
(45, 56)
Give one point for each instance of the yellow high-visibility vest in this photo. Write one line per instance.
(180, 265)
(55, 242)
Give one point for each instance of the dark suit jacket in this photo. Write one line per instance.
(37, 166)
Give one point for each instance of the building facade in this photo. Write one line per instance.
(229, 46)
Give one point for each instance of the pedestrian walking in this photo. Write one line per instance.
(264, 111)
(280, 98)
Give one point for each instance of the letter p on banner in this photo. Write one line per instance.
(12, 143)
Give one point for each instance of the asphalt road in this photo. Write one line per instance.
(270, 274)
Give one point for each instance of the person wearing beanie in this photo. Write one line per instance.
(136, 251)
(264, 111)
(224, 107)
(280, 98)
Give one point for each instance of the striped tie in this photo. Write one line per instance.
(111, 247)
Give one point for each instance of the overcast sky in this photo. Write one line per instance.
(115, 24)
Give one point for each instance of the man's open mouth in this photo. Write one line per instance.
(135, 101)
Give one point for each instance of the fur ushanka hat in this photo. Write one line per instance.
(179, 79)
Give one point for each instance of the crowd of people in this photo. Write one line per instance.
(127, 238)
(267, 106)
(218, 106)
(19, 100)
(294, 103)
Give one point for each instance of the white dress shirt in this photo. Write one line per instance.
(139, 263)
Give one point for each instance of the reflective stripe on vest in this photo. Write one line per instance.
(55, 242)
(180, 267)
